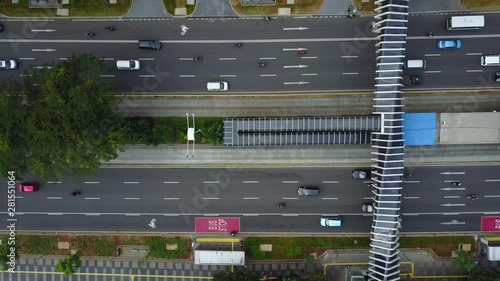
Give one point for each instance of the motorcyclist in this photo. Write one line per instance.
(74, 193)
(109, 28)
(457, 183)
(261, 64)
(472, 197)
(90, 34)
(302, 52)
(430, 34)
(198, 58)
(280, 205)
(237, 44)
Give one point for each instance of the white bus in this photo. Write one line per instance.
(465, 22)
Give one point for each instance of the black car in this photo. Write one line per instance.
(361, 174)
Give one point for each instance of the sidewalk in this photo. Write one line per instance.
(175, 155)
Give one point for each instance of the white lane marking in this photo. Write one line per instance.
(474, 70)
(267, 58)
(56, 198)
(227, 75)
(268, 75)
(146, 59)
(170, 215)
(451, 214)
(330, 182)
(227, 58)
(305, 58)
(63, 58)
(190, 59)
(92, 198)
(211, 182)
(19, 197)
(107, 75)
(170, 182)
(250, 198)
(171, 198)
(309, 74)
(26, 58)
(54, 182)
(146, 75)
(250, 215)
(492, 196)
(491, 213)
(367, 198)
(132, 198)
(473, 54)
(452, 197)
(211, 198)
(211, 215)
(290, 198)
(329, 198)
(411, 197)
(290, 215)
(348, 57)
(187, 76)
(250, 181)
(54, 214)
(91, 182)
(411, 181)
(491, 180)
(290, 182)
(432, 55)
(107, 58)
(350, 73)
(433, 71)
(91, 214)
(131, 182)
(133, 215)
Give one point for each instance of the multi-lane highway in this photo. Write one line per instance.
(126, 200)
(341, 52)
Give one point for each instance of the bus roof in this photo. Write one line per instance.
(467, 21)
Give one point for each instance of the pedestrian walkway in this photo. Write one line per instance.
(334, 7)
(214, 8)
(147, 9)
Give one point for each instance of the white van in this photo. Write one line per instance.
(492, 60)
(415, 64)
(220, 86)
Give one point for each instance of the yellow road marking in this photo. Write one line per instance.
(217, 240)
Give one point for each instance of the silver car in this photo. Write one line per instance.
(8, 64)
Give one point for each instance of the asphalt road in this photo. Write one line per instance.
(127, 199)
(341, 52)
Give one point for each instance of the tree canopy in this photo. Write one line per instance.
(61, 120)
(69, 265)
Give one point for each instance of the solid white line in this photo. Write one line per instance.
(309, 74)
(491, 180)
(348, 57)
(131, 182)
(211, 182)
(92, 214)
(329, 198)
(451, 197)
(227, 75)
(451, 214)
(186, 76)
(290, 215)
(330, 182)
(267, 58)
(132, 198)
(133, 215)
(432, 55)
(268, 75)
(211, 215)
(170, 215)
(250, 198)
(433, 71)
(227, 58)
(170, 182)
(411, 197)
(474, 70)
(171, 198)
(54, 197)
(26, 58)
(146, 59)
(211, 198)
(250, 181)
(411, 181)
(190, 59)
(146, 75)
(350, 73)
(250, 215)
(54, 214)
(473, 54)
(91, 182)
(290, 182)
(492, 196)
(491, 213)
(290, 198)
(305, 58)
(92, 198)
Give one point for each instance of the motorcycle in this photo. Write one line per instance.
(472, 197)
(456, 183)
(90, 34)
(233, 233)
(109, 28)
(261, 64)
(75, 193)
(267, 18)
(430, 34)
(237, 44)
(302, 52)
(198, 58)
(280, 205)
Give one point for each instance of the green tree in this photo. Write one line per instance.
(234, 276)
(484, 274)
(60, 121)
(464, 261)
(69, 265)
(317, 276)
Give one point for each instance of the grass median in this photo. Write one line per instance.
(301, 7)
(77, 8)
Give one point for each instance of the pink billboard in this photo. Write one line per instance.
(217, 225)
(490, 224)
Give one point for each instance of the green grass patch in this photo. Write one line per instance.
(157, 247)
(482, 4)
(77, 8)
(94, 245)
(301, 7)
(37, 245)
(170, 6)
(365, 8)
(442, 246)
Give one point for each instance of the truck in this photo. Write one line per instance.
(491, 60)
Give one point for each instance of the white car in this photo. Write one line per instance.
(330, 221)
(367, 208)
(8, 64)
(128, 64)
(219, 86)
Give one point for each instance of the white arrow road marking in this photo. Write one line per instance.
(295, 66)
(43, 50)
(42, 30)
(295, 28)
(294, 49)
(452, 173)
(452, 189)
(296, 83)
(452, 205)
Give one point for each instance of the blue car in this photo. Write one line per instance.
(449, 44)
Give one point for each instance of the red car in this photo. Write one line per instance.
(28, 187)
